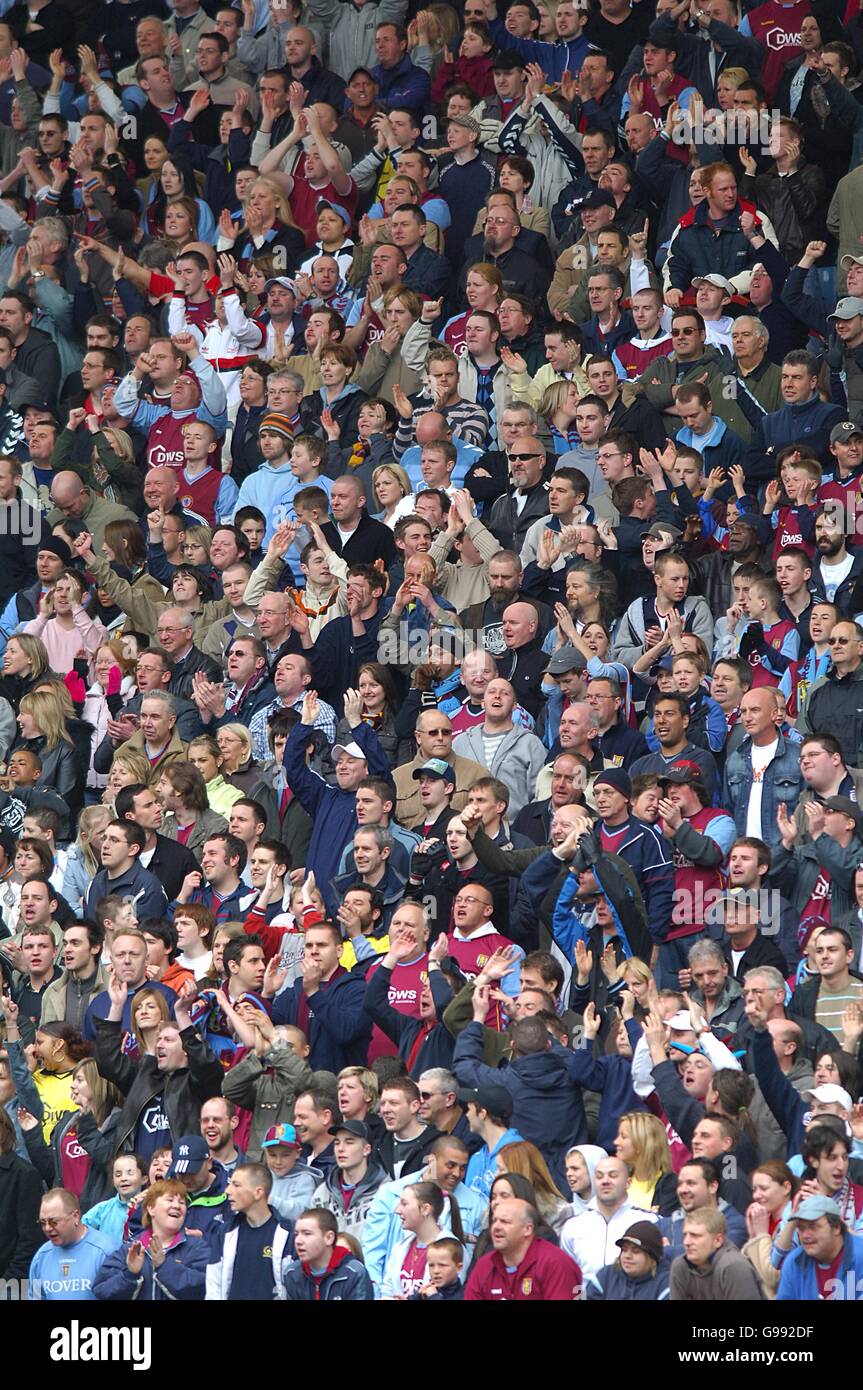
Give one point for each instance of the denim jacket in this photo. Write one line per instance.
(782, 783)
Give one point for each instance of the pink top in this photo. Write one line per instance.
(62, 644)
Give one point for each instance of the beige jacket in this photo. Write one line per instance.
(409, 808)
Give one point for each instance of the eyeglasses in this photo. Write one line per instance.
(470, 901)
(427, 1095)
(839, 641)
(523, 458)
(498, 222)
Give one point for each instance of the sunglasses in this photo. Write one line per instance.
(523, 458)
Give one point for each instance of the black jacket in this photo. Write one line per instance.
(417, 1152)
(20, 1199)
(804, 1001)
(183, 1092)
(22, 530)
(371, 541)
(181, 680)
(508, 525)
(38, 356)
(534, 821)
(761, 952)
(523, 667)
(100, 1145)
(62, 770)
(170, 863)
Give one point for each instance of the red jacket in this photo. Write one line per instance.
(545, 1275)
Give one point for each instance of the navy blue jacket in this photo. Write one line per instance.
(138, 886)
(437, 1049)
(620, 745)
(671, 1228)
(182, 1276)
(611, 1285)
(403, 85)
(332, 810)
(339, 1028)
(809, 423)
(100, 1007)
(547, 1102)
(612, 1078)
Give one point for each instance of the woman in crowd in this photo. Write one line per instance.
(525, 1159)
(42, 722)
(774, 1187)
(398, 358)
(83, 860)
(643, 1145)
(164, 1263)
(239, 768)
(77, 1152)
(419, 1210)
(148, 1011)
(177, 181)
(206, 755)
(379, 708)
(483, 290)
(112, 687)
(25, 661)
(63, 625)
(392, 492)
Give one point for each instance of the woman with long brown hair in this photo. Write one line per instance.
(83, 1141)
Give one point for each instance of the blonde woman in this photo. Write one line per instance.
(196, 546)
(83, 861)
(238, 764)
(42, 725)
(25, 662)
(111, 470)
(557, 407)
(392, 491)
(128, 766)
(642, 1144)
(63, 626)
(114, 676)
(268, 222)
(726, 85)
(206, 755)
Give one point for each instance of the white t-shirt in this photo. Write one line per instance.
(833, 576)
(761, 759)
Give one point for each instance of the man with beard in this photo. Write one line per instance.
(521, 272)
(485, 620)
(838, 571)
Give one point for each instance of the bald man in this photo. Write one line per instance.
(75, 502)
(523, 661)
(515, 512)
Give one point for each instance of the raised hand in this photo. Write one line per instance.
(311, 708)
(583, 962)
(401, 403)
(332, 428)
(592, 1021)
(513, 361)
(353, 704)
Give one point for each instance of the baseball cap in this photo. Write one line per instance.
(682, 774)
(715, 279)
(435, 767)
(847, 807)
(281, 1134)
(354, 1127)
(818, 1205)
(352, 749)
(660, 529)
(851, 260)
(496, 1099)
(847, 308)
(324, 203)
(467, 122)
(284, 280)
(188, 1155)
(507, 61)
(680, 1022)
(830, 1095)
(566, 658)
(614, 777)
(597, 199)
(644, 1234)
(841, 433)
